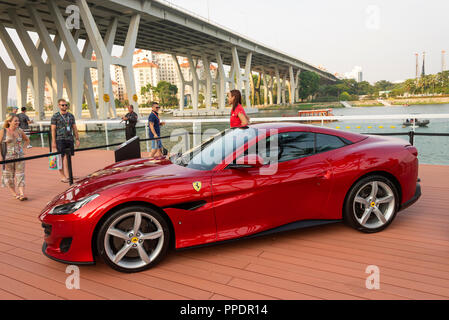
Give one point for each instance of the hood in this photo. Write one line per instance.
(122, 173)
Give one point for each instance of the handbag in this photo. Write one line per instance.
(55, 162)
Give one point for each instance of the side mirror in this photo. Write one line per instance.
(248, 161)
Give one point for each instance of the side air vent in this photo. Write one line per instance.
(188, 206)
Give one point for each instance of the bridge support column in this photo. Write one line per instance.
(102, 49)
(208, 81)
(24, 73)
(279, 86)
(195, 82)
(79, 65)
(88, 87)
(58, 66)
(248, 79)
(38, 65)
(242, 82)
(297, 82)
(265, 88)
(223, 80)
(283, 81)
(5, 73)
(292, 95)
(126, 60)
(221, 91)
(236, 68)
(183, 83)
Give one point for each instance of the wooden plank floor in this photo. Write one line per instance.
(327, 262)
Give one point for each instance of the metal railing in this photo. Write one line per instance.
(196, 123)
(41, 133)
(68, 153)
(196, 130)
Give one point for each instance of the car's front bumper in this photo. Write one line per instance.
(415, 198)
(68, 238)
(44, 251)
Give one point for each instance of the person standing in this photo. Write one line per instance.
(64, 134)
(13, 175)
(154, 123)
(130, 119)
(239, 119)
(24, 123)
(14, 111)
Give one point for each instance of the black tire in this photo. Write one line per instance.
(353, 212)
(152, 223)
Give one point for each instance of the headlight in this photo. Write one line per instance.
(71, 207)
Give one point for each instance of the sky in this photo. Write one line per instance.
(380, 36)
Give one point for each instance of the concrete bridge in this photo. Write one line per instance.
(145, 24)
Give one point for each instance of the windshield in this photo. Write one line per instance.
(212, 152)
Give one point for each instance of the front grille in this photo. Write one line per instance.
(47, 229)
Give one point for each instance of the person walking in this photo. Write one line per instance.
(13, 175)
(239, 119)
(130, 119)
(154, 123)
(64, 134)
(24, 123)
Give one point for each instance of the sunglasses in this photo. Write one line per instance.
(64, 105)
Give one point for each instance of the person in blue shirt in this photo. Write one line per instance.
(154, 123)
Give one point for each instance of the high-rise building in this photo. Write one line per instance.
(167, 67)
(145, 73)
(356, 74)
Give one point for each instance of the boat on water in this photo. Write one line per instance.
(316, 113)
(416, 122)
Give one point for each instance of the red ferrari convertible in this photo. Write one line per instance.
(241, 183)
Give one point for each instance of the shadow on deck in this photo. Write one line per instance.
(326, 262)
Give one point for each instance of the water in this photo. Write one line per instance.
(432, 150)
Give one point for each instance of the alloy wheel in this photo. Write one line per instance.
(134, 240)
(374, 205)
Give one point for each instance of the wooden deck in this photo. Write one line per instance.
(327, 262)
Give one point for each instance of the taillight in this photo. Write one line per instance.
(412, 150)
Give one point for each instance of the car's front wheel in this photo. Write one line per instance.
(133, 239)
(372, 204)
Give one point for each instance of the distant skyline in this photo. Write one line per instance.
(380, 36)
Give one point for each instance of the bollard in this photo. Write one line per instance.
(49, 141)
(69, 165)
(411, 135)
(107, 135)
(147, 135)
(42, 135)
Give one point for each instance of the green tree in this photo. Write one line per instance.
(165, 92)
(309, 83)
(344, 96)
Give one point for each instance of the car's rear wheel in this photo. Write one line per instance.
(133, 239)
(372, 204)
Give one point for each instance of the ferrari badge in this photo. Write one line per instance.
(197, 186)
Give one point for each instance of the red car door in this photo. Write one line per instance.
(247, 202)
